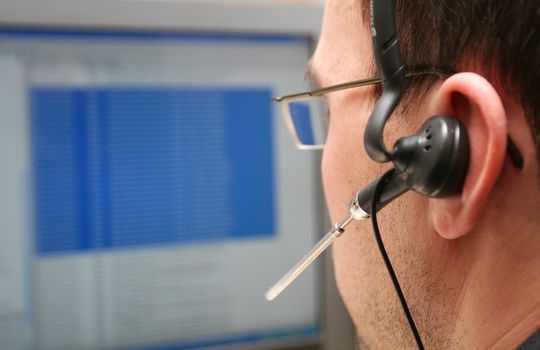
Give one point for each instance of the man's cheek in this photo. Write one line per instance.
(331, 181)
(339, 171)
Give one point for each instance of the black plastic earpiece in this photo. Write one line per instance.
(435, 160)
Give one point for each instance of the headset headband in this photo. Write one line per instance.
(391, 70)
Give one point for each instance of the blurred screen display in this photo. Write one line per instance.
(151, 191)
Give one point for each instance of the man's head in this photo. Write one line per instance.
(448, 253)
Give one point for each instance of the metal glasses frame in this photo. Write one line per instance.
(329, 89)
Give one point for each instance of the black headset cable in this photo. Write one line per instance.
(376, 196)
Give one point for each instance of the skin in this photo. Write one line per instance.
(468, 264)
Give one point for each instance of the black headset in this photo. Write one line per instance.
(432, 162)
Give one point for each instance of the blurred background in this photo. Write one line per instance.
(149, 191)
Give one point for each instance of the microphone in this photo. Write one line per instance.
(359, 209)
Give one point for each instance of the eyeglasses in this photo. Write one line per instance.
(306, 113)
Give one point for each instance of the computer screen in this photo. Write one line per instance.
(150, 192)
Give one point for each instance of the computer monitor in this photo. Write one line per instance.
(151, 193)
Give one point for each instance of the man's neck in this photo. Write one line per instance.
(498, 303)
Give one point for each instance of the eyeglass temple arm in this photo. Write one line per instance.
(329, 89)
(357, 83)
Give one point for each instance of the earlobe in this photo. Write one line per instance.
(473, 100)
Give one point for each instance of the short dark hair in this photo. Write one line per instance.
(499, 38)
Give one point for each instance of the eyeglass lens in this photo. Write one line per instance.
(310, 121)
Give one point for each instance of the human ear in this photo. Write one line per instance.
(472, 99)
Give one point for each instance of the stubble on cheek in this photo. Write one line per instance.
(361, 275)
(365, 287)
(367, 290)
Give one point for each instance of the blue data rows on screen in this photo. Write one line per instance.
(132, 166)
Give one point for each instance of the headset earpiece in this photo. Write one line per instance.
(435, 160)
